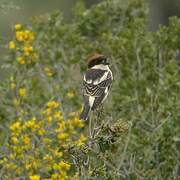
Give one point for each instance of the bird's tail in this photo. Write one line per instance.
(85, 112)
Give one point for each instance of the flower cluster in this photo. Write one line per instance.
(38, 146)
(23, 45)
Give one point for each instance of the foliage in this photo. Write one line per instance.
(5, 6)
(136, 136)
(38, 147)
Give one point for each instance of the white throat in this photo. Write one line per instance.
(101, 66)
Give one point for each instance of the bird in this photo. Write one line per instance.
(96, 83)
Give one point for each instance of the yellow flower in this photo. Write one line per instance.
(16, 127)
(22, 92)
(12, 45)
(21, 60)
(61, 166)
(77, 122)
(41, 131)
(14, 140)
(63, 136)
(70, 94)
(34, 177)
(49, 119)
(26, 140)
(64, 165)
(61, 126)
(17, 26)
(28, 35)
(19, 35)
(58, 115)
(52, 104)
(57, 176)
(47, 157)
(30, 124)
(57, 153)
(27, 50)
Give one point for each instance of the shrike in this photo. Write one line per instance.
(97, 81)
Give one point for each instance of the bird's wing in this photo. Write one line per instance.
(96, 82)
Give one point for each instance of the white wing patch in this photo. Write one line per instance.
(87, 81)
(106, 92)
(104, 77)
(91, 100)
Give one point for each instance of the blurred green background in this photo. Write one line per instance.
(21, 11)
(13, 11)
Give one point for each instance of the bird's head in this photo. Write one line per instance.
(97, 59)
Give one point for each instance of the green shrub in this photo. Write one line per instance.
(144, 99)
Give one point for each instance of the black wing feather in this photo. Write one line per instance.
(93, 74)
(96, 90)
